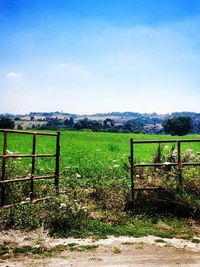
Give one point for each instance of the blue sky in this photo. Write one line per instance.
(88, 56)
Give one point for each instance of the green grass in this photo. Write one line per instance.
(87, 158)
(87, 153)
(94, 172)
(7, 251)
(135, 227)
(81, 248)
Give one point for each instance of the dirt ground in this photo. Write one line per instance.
(113, 251)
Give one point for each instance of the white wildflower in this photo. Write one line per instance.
(116, 166)
(78, 175)
(167, 163)
(9, 152)
(62, 205)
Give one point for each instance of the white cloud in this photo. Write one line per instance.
(14, 75)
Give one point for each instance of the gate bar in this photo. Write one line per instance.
(132, 171)
(33, 167)
(5, 143)
(179, 164)
(27, 132)
(57, 169)
(165, 141)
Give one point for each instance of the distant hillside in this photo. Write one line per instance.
(145, 122)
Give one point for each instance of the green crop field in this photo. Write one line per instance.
(89, 158)
(88, 154)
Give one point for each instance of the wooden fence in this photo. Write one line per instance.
(179, 164)
(5, 156)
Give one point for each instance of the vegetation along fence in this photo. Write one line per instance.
(5, 156)
(179, 164)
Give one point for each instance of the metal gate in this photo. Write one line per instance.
(5, 156)
(179, 164)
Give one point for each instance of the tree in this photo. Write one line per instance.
(77, 126)
(19, 127)
(17, 119)
(108, 123)
(178, 125)
(69, 123)
(133, 126)
(6, 123)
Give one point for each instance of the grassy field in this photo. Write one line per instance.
(76, 147)
(94, 174)
(91, 154)
(88, 157)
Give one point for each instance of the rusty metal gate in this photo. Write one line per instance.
(5, 156)
(179, 164)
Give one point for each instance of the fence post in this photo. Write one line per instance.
(180, 178)
(132, 170)
(5, 141)
(57, 162)
(33, 167)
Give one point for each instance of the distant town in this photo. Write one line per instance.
(109, 122)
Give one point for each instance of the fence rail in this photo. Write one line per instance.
(3, 178)
(179, 164)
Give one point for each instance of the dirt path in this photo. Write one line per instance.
(123, 255)
(114, 251)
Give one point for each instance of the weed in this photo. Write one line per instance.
(159, 241)
(88, 247)
(64, 214)
(3, 250)
(196, 241)
(27, 250)
(128, 243)
(80, 248)
(116, 250)
(59, 248)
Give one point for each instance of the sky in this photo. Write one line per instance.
(92, 56)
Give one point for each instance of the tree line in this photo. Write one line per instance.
(108, 125)
(181, 125)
